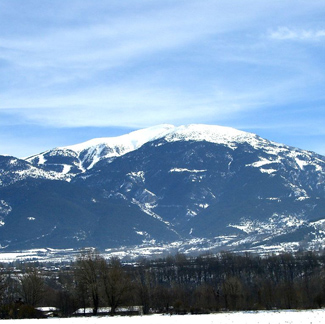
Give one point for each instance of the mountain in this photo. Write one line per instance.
(195, 187)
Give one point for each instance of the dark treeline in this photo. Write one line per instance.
(175, 284)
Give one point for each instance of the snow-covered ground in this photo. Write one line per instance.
(265, 317)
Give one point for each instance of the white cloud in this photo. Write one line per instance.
(136, 104)
(131, 106)
(167, 59)
(285, 33)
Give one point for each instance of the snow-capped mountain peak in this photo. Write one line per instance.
(87, 154)
(210, 133)
(83, 156)
(93, 151)
(166, 183)
(195, 132)
(74, 159)
(71, 160)
(125, 143)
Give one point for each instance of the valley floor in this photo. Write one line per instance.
(261, 317)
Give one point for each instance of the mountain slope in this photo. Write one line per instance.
(81, 157)
(58, 214)
(162, 184)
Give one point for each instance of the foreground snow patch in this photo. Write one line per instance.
(265, 317)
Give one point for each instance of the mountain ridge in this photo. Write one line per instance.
(112, 147)
(190, 183)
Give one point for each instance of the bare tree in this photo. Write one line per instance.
(2, 287)
(143, 286)
(233, 292)
(206, 298)
(32, 287)
(116, 283)
(87, 276)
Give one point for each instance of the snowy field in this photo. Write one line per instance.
(272, 317)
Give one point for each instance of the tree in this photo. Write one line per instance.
(87, 276)
(66, 295)
(206, 298)
(32, 288)
(2, 287)
(143, 287)
(233, 293)
(116, 283)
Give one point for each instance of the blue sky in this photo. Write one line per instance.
(74, 70)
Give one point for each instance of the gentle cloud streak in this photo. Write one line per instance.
(285, 33)
(130, 64)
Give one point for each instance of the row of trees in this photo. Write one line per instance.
(19, 295)
(175, 284)
(103, 282)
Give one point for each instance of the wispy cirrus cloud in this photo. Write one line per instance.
(136, 63)
(286, 33)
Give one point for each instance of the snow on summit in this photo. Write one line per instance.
(87, 154)
(128, 142)
(132, 141)
(93, 151)
(210, 133)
